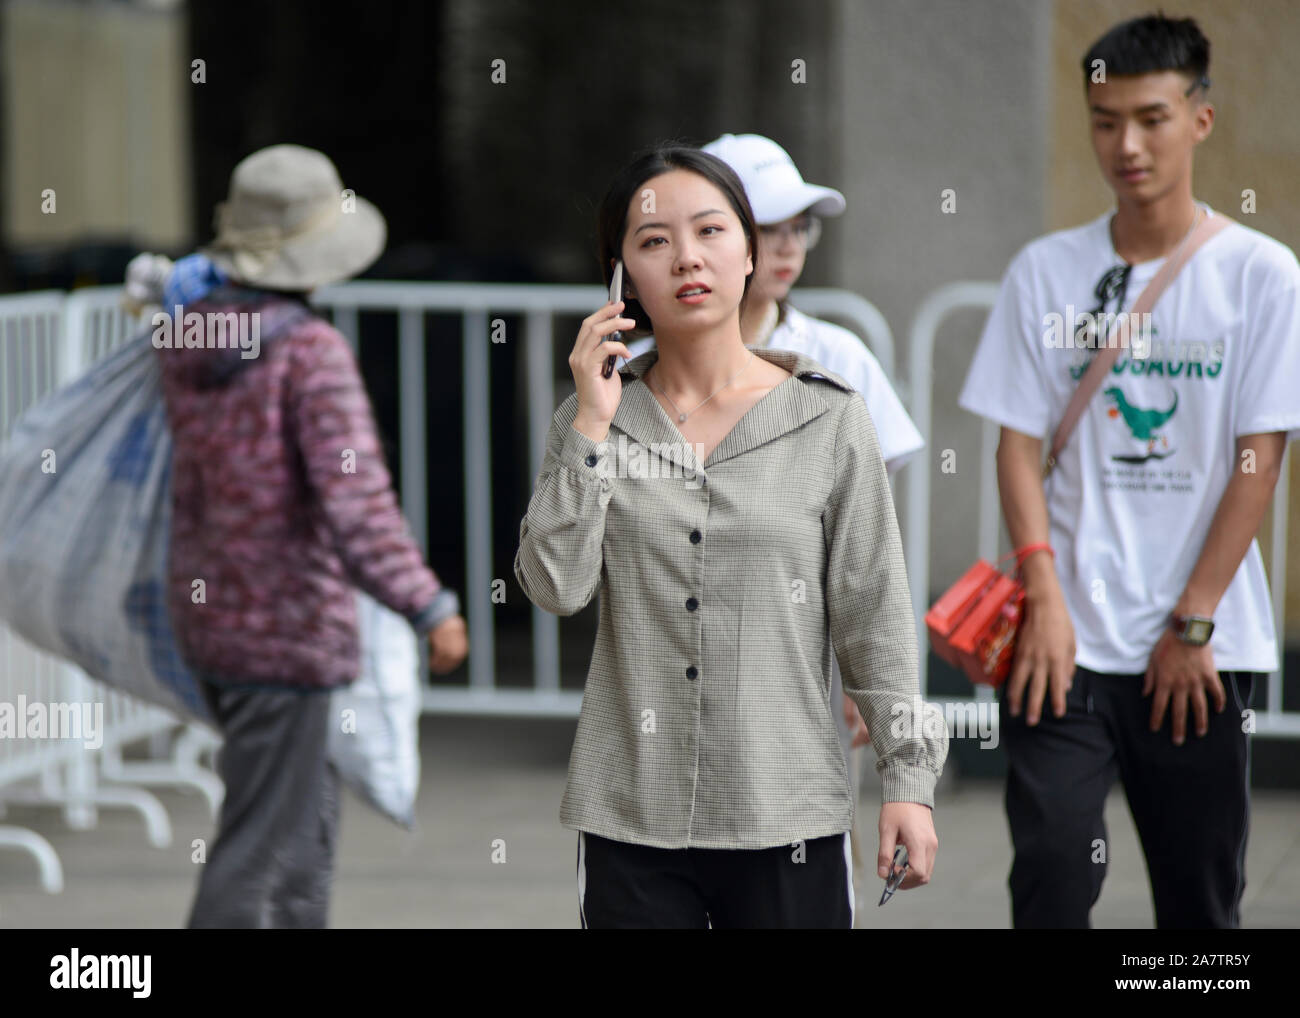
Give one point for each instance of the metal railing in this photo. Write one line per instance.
(46, 340)
(478, 304)
(95, 323)
(76, 329)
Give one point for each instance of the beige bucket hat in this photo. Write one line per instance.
(288, 225)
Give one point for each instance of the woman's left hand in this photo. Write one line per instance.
(911, 824)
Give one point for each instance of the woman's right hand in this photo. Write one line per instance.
(598, 397)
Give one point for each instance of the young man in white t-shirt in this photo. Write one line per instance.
(1148, 622)
(787, 210)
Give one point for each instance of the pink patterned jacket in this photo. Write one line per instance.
(282, 505)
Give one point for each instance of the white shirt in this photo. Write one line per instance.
(1138, 483)
(843, 353)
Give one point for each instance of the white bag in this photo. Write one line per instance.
(375, 735)
(85, 519)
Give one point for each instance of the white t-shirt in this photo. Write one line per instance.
(1138, 483)
(843, 353)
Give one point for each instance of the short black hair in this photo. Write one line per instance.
(1150, 44)
(611, 219)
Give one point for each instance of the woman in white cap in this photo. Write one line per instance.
(788, 211)
(281, 505)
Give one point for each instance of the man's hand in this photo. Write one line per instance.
(1045, 644)
(1044, 656)
(448, 645)
(1179, 672)
(857, 726)
(911, 824)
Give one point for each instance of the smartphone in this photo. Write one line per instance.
(615, 294)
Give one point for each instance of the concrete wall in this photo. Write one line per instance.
(902, 100)
(939, 94)
(1255, 143)
(986, 99)
(96, 109)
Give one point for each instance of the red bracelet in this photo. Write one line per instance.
(1024, 553)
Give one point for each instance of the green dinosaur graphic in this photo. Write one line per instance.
(1142, 424)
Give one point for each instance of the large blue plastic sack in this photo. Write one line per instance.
(85, 516)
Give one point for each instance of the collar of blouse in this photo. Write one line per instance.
(789, 405)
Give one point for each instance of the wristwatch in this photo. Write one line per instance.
(1193, 629)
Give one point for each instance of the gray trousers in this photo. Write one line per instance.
(273, 858)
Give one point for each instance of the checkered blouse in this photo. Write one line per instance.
(706, 719)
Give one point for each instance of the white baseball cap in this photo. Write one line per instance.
(775, 188)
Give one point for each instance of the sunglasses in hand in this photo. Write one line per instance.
(897, 871)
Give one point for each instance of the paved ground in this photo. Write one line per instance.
(488, 779)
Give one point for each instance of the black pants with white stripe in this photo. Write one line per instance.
(798, 886)
(1190, 803)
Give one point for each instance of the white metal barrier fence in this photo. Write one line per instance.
(937, 306)
(47, 339)
(477, 304)
(96, 323)
(50, 337)
(88, 323)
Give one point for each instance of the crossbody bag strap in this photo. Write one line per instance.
(1118, 339)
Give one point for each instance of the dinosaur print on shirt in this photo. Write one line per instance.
(1142, 424)
(1137, 486)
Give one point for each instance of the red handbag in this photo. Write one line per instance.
(973, 625)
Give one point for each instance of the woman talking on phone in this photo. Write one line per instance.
(733, 511)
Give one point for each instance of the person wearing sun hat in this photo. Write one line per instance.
(289, 224)
(281, 505)
(788, 211)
